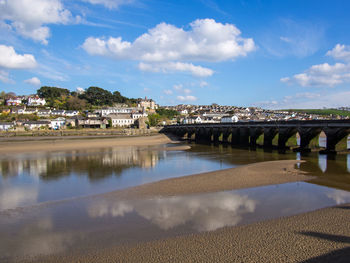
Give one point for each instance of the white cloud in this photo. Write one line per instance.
(340, 52)
(5, 77)
(168, 49)
(187, 98)
(171, 67)
(187, 91)
(168, 91)
(28, 18)
(203, 84)
(33, 81)
(10, 59)
(178, 87)
(111, 4)
(324, 75)
(80, 90)
(207, 40)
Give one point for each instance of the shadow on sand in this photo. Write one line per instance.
(339, 255)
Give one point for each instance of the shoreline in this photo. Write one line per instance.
(79, 143)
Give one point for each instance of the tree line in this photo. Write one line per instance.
(94, 96)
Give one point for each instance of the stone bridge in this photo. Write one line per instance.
(269, 134)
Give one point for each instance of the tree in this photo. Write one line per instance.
(55, 97)
(97, 96)
(52, 92)
(168, 114)
(154, 119)
(74, 103)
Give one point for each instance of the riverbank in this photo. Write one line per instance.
(37, 144)
(251, 175)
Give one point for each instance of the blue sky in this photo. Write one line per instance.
(273, 54)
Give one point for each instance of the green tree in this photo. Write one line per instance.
(97, 96)
(154, 119)
(55, 97)
(52, 92)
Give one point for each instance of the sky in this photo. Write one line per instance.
(270, 54)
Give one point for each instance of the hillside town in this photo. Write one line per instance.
(32, 112)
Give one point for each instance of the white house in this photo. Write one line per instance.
(29, 111)
(32, 125)
(139, 115)
(229, 119)
(44, 113)
(107, 111)
(36, 101)
(19, 110)
(4, 126)
(58, 112)
(184, 112)
(192, 120)
(15, 101)
(71, 113)
(120, 120)
(58, 123)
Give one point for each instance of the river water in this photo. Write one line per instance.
(32, 184)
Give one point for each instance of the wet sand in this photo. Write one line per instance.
(60, 144)
(252, 175)
(318, 236)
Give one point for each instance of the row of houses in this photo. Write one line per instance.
(113, 120)
(42, 112)
(28, 100)
(210, 119)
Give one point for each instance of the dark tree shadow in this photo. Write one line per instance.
(339, 255)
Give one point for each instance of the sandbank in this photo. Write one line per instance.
(60, 144)
(251, 175)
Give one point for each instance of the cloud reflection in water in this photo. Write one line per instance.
(205, 212)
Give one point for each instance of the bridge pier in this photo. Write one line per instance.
(306, 135)
(269, 134)
(216, 135)
(283, 135)
(235, 136)
(244, 136)
(334, 136)
(254, 135)
(225, 135)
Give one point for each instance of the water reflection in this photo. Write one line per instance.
(96, 164)
(60, 175)
(11, 197)
(86, 223)
(322, 162)
(204, 212)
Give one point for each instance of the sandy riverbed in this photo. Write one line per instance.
(13, 147)
(318, 236)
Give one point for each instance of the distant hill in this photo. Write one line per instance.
(322, 111)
